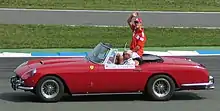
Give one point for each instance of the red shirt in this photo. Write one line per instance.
(138, 39)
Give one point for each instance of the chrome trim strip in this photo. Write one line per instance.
(198, 84)
(106, 94)
(212, 87)
(25, 88)
(209, 85)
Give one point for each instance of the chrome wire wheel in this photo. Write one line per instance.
(50, 89)
(161, 87)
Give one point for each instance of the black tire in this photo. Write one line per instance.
(59, 85)
(150, 92)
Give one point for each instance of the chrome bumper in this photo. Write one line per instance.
(17, 83)
(200, 86)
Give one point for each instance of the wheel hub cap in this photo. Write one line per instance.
(50, 89)
(161, 87)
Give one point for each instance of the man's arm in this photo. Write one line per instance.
(129, 62)
(130, 18)
(129, 21)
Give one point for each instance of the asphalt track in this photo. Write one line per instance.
(108, 18)
(182, 101)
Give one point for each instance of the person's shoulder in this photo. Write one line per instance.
(130, 60)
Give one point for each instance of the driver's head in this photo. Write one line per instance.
(127, 54)
(138, 22)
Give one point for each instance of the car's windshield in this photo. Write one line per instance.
(112, 57)
(98, 54)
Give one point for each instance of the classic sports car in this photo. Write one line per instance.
(96, 73)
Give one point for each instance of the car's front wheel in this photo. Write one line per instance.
(50, 89)
(160, 88)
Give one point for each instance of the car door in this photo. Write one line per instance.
(112, 78)
(78, 78)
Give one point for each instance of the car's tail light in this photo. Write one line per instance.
(188, 59)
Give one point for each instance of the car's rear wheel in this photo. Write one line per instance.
(160, 88)
(50, 89)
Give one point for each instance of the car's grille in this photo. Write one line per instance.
(17, 77)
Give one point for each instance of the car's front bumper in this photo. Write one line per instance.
(200, 86)
(17, 83)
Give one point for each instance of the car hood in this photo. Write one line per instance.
(25, 68)
(52, 61)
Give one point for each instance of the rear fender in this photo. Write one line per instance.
(177, 85)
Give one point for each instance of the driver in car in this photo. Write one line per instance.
(126, 58)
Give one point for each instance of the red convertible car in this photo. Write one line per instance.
(156, 77)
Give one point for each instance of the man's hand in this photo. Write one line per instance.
(136, 49)
(134, 14)
(129, 18)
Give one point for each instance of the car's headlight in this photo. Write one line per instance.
(29, 73)
(34, 71)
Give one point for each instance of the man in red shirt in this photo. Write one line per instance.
(138, 38)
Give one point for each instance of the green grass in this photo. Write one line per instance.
(175, 5)
(57, 36)
(120, 49)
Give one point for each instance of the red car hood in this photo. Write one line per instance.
(23, 69)
(56, 60)
(59, 60)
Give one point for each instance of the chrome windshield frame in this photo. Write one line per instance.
(106, 57)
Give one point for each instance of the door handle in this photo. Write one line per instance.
(138, 69)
